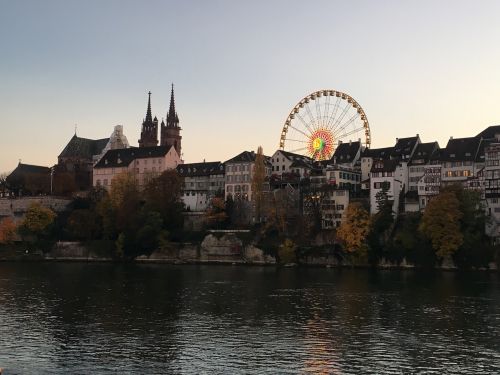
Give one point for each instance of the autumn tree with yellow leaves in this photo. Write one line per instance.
(441, 223)
(355, 227)
(37, 222)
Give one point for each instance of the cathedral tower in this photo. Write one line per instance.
(171, 132)
(149, 131)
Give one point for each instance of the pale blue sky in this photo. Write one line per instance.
(427, 67)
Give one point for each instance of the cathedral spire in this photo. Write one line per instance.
(149, 117)
(149, 129)
(172, 118)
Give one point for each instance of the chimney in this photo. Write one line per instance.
(340, 142)
(350, 142)
(451, 137)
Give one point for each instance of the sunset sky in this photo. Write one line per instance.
(238, 67)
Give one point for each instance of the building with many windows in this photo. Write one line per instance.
(201, 182)
(143, 162)
(239, 173)
(458, 160)
(491, 176)
(390, 175)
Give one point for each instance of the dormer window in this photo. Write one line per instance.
(467, 154)
(452, 155)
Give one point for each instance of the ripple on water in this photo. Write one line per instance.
(192, 320)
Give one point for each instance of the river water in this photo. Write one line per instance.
(160, 319)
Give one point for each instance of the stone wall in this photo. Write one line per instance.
(17, 207)
(73, 251)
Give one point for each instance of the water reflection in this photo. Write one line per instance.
(102, 318)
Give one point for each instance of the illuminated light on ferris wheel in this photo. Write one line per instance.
(320, 120)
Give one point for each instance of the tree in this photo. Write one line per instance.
(163, 194)
(476, 250)
(121, 211)
(4, 189)
(258, 179)
(150, 235)
(355, 227)
(37, 221)
(84, 224)
(287, 252)
(216, 213)
(7, 230)
(408, 242)
(441, 223)
(380, 228)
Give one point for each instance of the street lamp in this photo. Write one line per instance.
(51, 179)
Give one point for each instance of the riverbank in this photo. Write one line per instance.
(225, 250)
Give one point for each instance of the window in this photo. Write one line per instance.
(105, 182)
(380, 185)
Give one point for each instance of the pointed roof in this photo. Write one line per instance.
(346, 152)
(423, 153)
(489, 132)
(200, 169)
(404, 147)
(83, 147)
(461, 149)
(29, 169)
(123, 157)
(172, 118)
(378, 153)
(149, 117)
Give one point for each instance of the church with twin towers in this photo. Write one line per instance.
(170, 131)
(151, 158)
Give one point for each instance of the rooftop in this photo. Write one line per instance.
(200, 169)
(83, 148)
(123, 157)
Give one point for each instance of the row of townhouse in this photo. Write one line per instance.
(411, 172)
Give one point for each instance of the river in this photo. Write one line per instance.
(77, 318)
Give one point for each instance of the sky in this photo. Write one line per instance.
(239, 67)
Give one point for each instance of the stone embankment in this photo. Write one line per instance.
(226, 249)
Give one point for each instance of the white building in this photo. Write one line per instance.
(288, 162)
(201, 183)
(390, 174)
(367, 158)
(492, 189)
(343, 177)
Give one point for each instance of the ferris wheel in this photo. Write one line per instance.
(321, 119)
